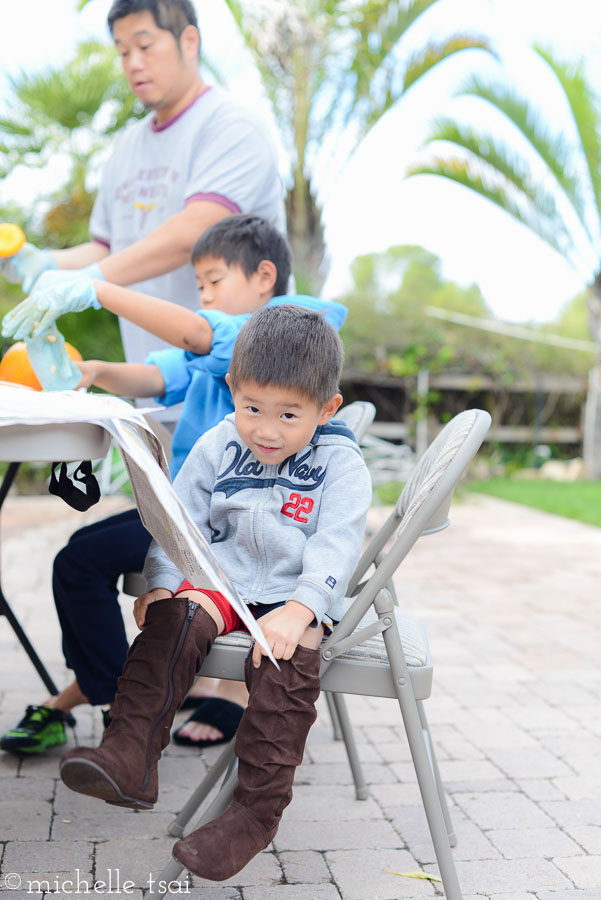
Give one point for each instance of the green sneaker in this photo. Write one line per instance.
(40, 728)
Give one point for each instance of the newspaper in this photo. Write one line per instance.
(161, 510)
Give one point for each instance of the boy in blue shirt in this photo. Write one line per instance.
(282, 494)
(241, 264)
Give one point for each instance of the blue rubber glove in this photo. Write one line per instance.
(51, 362)
(62, 276)
(27, 265)
(41, 309)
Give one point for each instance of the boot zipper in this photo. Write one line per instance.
(192, 608)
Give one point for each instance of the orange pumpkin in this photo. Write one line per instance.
(11, 239)
(15, 366)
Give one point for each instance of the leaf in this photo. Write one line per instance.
(425, 876)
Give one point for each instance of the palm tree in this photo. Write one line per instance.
(547, 182)
(72, 112)
(331, 69)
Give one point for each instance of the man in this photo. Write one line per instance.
(198, 157)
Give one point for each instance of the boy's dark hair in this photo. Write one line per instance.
(170, 15)
(292, 347)
(245, 240)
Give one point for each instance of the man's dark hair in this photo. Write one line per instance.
(170, 15)
(290, 347)
(245, 240)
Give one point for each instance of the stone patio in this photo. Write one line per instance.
(511, 598)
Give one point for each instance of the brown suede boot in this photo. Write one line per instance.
(159, 670)
(269, 746)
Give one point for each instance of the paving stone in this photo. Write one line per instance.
(542, 843)
(579, 787)
(503, 810)
(360, 875)
(39, 856)
(25, 818)
(585, 871)
(587, 836)
(134, 859)
(413, 828)
(341, 806)
(567, 895)
(526, 762)
(262, 872)
(539, 789)
(292, 892)
(574, 812)
(305, 866)
(473, 769)
(298, 835)
(497, 876)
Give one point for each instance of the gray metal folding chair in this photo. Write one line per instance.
(378, 649)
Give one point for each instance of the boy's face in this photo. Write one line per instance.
(276, 422)
(228, 288)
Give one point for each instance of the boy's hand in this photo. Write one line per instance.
(89, 369)
(283, 630)
(143, 602)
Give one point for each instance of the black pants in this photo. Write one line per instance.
(84, 582)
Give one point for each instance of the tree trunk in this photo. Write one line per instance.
(592, 415)
(305, 233)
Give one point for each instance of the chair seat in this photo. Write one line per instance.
(363, 669)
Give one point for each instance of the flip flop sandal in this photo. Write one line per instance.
(192, 702)
(221, 714)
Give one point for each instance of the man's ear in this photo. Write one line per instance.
(189, 42)
(229, 384)
(330, 409)
(267, 274)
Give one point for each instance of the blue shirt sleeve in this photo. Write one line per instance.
(177, 366)
(225, 331)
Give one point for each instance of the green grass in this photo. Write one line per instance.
(579, 500)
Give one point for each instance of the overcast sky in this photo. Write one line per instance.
(367, 205)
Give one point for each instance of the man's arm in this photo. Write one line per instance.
(175, 324)
(168, 247)
(81, 256)
(127, 379)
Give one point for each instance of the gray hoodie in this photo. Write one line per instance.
(291, 531)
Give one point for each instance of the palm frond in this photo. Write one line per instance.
(481, 178)
(424, 59)
(554, 150)
(584, 106)
(500, 158)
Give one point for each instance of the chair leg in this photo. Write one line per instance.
(350, 745)
(421, 762)
(224, 762)
(439, 785)
(173, 869)
(336, 729)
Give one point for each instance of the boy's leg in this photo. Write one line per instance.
(269, 746)
(161, 665)
(84, 583)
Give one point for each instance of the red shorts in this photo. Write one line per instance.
(232, 620)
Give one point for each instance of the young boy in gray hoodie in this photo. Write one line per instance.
(281, 493)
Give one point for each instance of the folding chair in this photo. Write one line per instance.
(377, 649)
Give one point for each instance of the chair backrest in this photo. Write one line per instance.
(422, 508)
(358, 415)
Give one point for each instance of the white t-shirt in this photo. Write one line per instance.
(215, 149)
